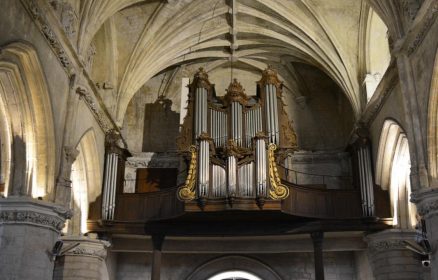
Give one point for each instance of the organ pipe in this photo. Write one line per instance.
(365, 177)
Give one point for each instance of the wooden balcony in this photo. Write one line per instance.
(135, 211)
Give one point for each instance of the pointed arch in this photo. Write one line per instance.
(393, 168)
(28, 123)
(86, 181)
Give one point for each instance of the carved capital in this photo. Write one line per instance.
(27, 211)
(389, 240)
(87, 247)
(426, 201)
(70, 154)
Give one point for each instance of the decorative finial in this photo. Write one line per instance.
(270, 76)
(235, 92)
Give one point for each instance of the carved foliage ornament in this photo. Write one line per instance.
(277, 190)
(31, 217)
(187, 191)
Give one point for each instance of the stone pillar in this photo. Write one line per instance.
(427, 207)
(28, 231)
(157, 243)
(389, 257)
(86, 260)
(317, 238)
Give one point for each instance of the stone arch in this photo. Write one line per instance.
(86, 181)
(393, 172)
(27, 128)
(228, 263)
(432, 126)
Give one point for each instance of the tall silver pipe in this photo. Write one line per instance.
(105, 188)
(232, 176)
(261, 168)
(370, 185)
(112, 189)
(275, 105)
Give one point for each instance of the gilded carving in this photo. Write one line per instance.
(236, 93)
(187, 191)
(270, 76)
(277, 190)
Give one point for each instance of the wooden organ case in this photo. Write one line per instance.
(233, 143)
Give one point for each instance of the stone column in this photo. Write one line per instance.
(389, 257)
(28, 231)
(86, 260)
(317, 238)
(157, 243)
(427, 207)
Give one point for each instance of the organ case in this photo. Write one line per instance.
(233, 142)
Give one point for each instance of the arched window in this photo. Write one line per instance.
(393, 170)
(377, 52)
(234, 275)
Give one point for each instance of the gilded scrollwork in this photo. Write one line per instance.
(187, 191)
(277, 190)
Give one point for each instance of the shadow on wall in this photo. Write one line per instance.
(161, 126)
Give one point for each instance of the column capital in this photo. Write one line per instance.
(28, 211)
(88, 247)
(392, 239)
(426, 200)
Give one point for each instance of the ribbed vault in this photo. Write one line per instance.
(253, 32)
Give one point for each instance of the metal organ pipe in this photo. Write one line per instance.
(366, 180)
(261, 168)
(203, 154)
(232, 170)
(110, 186)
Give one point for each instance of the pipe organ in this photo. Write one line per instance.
(233, 142)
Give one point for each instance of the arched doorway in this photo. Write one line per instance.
(234, 275)
(227, 267)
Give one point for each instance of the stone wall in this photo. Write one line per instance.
(290, 266)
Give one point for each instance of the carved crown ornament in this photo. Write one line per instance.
(236, 93)
(270, 76)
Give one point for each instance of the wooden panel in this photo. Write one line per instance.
(148, 206)
(317, 203)
(155, 179)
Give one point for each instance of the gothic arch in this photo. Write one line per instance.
(27, 127)
(86, 181)
(393, 172)
(432, 123)
(227, 263)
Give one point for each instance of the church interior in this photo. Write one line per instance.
(219, 139)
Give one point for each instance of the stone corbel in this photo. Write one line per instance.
(88, 247)
(427, 202)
